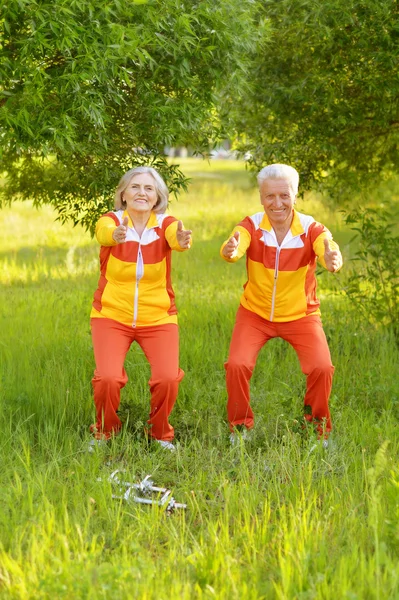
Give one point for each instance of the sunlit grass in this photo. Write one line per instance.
(277, 518)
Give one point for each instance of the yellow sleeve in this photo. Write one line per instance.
(104, 230)
(170, 235)
(245, 240)
(318, 246)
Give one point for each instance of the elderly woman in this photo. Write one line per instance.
(282, 247)
(134, 301)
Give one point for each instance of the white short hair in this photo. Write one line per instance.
(277, 171)
(160, 188)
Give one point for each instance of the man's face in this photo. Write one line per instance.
(277, 198)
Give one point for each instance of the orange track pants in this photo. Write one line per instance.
(306, 336)
(160, 344)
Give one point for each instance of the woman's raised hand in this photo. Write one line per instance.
(231, 247)
(183, 236)
(119, 234)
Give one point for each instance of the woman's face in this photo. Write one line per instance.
(140, 194)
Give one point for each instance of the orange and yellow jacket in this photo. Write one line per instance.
(135, 285)
(281, 283)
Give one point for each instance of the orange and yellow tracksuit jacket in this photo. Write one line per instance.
(135, 285)
(281, 283)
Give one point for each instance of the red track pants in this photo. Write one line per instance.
(306, 336)
(160, 344)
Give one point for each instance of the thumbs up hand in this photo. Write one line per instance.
(332, 258)
(230, 248)
(183, 236)
(119, 234)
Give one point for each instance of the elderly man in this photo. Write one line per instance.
(279, 298)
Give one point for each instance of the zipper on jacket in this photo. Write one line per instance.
(139, 275)
(278, 248)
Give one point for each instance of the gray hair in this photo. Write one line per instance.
(277, 171)
(160, 188)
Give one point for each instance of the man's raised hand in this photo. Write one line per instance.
(332, 258)
(230, 248)
(183, 236)
(119, 234)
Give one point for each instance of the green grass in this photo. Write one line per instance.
(272, 519)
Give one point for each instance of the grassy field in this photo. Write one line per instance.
(274, 518)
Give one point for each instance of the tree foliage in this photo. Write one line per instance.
(325, 93)
(373, 282)
(91, 87)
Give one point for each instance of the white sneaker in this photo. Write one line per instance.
(245, 435)
(94, 444)
(166, 445)
(320, 444)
